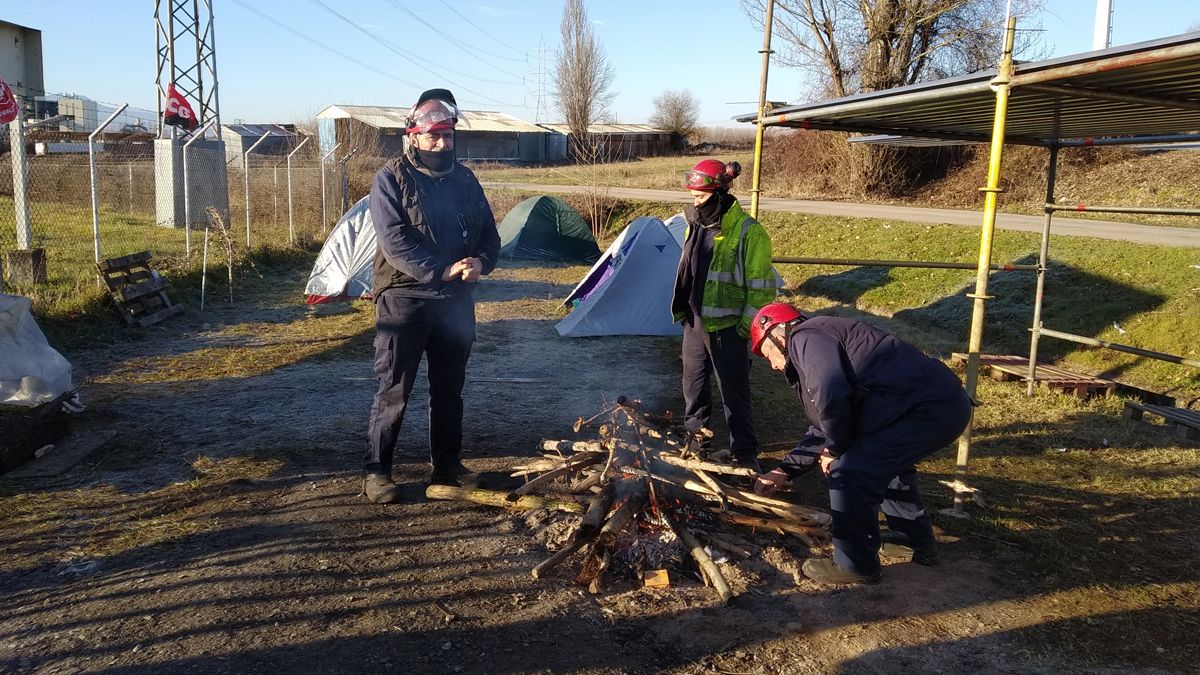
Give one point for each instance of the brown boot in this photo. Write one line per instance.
(380, 489)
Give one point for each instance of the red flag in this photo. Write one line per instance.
(8, 103)
(178, 113)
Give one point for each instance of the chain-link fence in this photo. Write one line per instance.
(147, 194)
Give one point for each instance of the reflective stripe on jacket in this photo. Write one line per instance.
(740, 277)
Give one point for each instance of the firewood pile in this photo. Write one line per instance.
(646, 500)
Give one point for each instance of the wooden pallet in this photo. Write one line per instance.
(1005, 367)
(1181, 422)
(138, 290)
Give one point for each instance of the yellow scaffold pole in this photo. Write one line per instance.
(762, 109)
(1000, 84)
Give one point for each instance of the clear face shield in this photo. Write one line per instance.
(433, 115)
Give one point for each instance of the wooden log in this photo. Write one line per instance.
(599, 580)
(707, 566)
(802, 512)
(622, 515)
(597, 512)
(498, 498)
(712, 467)
(729, 547)
(576, 462)
(714, 486)
(809, 535)
(571, 446)
(579, 541)
(537, 466)
(587, 483)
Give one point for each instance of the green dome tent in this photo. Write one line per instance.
(546, 228)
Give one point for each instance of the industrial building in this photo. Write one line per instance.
(481, 135)
(280, 140)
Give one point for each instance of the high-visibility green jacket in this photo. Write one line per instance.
(740, 277)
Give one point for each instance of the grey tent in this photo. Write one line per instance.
(628, 290)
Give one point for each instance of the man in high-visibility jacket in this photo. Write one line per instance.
(724, 277)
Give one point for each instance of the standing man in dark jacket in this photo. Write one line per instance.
(437, 236)
(877, 406)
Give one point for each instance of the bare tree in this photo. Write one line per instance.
(676, 111)
(582, 77)
(853, 46)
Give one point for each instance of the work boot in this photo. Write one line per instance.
(380, 488)
(895, 545)
(825, 571)
(456, 475)
(749, 462)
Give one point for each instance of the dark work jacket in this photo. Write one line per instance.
(424, 225)
(855, 379)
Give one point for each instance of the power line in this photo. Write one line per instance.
(461, 45)
(324, 46)
(337, 52)
(405, 54)
(480, 28)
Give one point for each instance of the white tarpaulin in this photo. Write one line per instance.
(31, 371)
(344, 269)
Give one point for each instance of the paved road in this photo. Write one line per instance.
(1100, 229)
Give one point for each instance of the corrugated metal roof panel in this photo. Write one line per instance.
(1150, 88)
(609, 129)
(257, 130)
(392, 117)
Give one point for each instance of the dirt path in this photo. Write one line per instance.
(1062, 225)
(222, 532)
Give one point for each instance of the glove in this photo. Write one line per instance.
(802, 459)
(769, 483)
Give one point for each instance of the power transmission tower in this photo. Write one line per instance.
(539, 113)
(185, 42)
(189, 176)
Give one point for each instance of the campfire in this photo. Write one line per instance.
(646, 499)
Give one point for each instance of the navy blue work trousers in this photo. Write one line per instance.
(879, 469)
(727, 354)
(406, 329)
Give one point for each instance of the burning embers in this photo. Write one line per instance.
(651, 505)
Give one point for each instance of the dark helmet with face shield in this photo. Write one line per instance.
(435, 110)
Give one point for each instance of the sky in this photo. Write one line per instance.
(285, 61)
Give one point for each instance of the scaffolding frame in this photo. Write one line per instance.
(1135, 94)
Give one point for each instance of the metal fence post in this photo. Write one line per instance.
(131, 188)
(345, 172)
(16, 135)
(291, 213)
(246, 178)
(187, 190)
(324, 190)
(94, 180)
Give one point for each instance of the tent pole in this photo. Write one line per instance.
(1043, 254)
(1000, 84)
(762, 108)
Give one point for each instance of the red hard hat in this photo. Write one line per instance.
(434, 111)
(710, 174)
(771, 315)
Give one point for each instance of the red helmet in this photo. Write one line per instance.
(436, 110)
(711, 174)
(771, 315)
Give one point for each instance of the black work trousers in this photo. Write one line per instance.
(406, 329)
(878, 469)
(725, 353)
